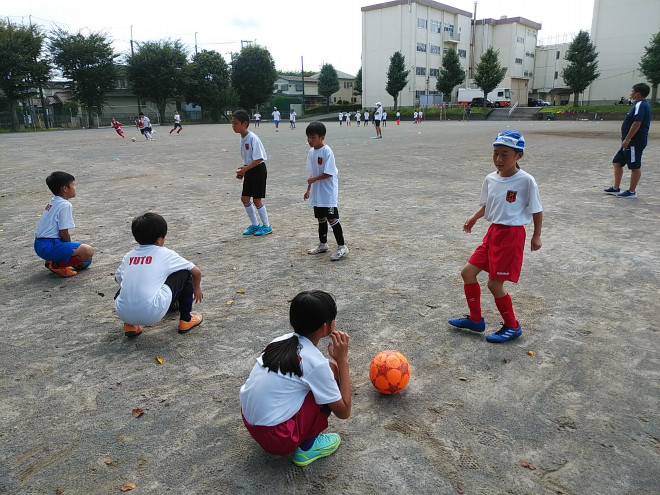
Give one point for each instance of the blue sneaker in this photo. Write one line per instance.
(505, 334)
(252, 229)
(612, 190)
(82, 265)
(468, 323)
(627, 194)
(264, 230)
(324, 445)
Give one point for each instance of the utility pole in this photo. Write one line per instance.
(195, 43)
(41, 92)
(139, 109)
(302, 72)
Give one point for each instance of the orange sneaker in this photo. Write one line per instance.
(186, 326)
(132, 330)
(65, 272)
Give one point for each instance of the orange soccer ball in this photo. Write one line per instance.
(389, 372)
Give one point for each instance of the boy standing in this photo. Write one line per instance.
(292, 119)
(276, 118)
(52, 240)
(322, 190)
(510, 200)
(152, 277)
(634, 136)
(253, 172)
(257, 119)
(177, 123)
(378, 115)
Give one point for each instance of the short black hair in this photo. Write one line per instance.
(242, 116)
(642, 88)
(148, 228)
(57, 180)
(315, 128)
(141, 113)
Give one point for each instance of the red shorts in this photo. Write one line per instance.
(285, 438)
(501, 252)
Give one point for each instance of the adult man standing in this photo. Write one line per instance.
(634, 136)
(378, 116)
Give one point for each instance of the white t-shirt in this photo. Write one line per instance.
(378, 114)
(366, 115)
(252, 149)
(276, 115)
(177, 118)
(144, 298)
(292, 116)
(348, 116)
(384, 115)
(415, 115)
(323, 192)
(58, 215)
(341, 115)
(147, 122)
(510, 200)
(268, 398)
(357, 116)
(257, 116)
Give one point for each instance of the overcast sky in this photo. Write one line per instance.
(319, 31)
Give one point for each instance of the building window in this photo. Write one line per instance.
(435, 49)
(520, 39)
(529, 54)
(519, 61)
(299, 87)
(285, 87)
(558, 55)
(434, 72)
(421, 23)
(421, 47)
(556, 74)
(528, 73)
(462, 53)
(420, 71)
(436, 26)
(445, 50)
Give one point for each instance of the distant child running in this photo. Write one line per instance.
(276, 118)
(357, 117)
(292, 119)
(341, 118)
(323, 190)
(253, 172)
(153, 278)
(144, 125)
(52, 240)
(292, 388)
(116, 125)
(415, 116)
(366, 118)
(257, 119)
(384, 118)
(177, 123)
(509, 200)
(348, 119)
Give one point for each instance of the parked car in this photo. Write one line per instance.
(479, 102)
(537, 102)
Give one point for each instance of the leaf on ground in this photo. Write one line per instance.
(230, 302)
(59, 491)
(462, 378)
(137, 412)
(120, 438)
(527, 464)
(159, 359)
(127, 486)
(531, 353)
(240, 291)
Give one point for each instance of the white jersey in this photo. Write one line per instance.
(177, 118)
(252, 149)
(366, 115)
(378, 114)
(58, 215)
(147, 122)
(341, 116)
(257, 116)
(348, 116)
(276, 115)
(510, 200)
(144, 298)
(323, 192)
(384, 115)
(357, 116)
(292, 116)
(268, 398)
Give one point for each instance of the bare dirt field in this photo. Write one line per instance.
(584, 410)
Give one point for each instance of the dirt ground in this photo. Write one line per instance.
(584, 410)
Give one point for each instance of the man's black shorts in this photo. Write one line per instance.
(254, 182)
(631, 156)
(326, 212)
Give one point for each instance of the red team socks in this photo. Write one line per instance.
(473, 296)
(505, 307)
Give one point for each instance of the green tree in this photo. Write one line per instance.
(253, 76)
(583, 67)
(488, 73)
(357, 83)
(649, 65)
(206, 83)
(451, 74)
(20, 66)
(397, 76)
(155, 72)
(89, 63)
(328, 82)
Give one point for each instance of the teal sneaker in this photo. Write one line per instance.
(324, 445)
(264, 230)
(252, 229)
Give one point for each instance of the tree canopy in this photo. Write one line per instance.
(253, 76)
(397, 76)
(21, 68)
(155, 72)
(206, 83)
(582, 69)
(328, 82)
(488, 73)
(649, 65)
(451, 74)
(89, 63)
(357, 83)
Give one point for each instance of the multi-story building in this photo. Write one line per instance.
(422, 30)
(345, 93)
(547, 83)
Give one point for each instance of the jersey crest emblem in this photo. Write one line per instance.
(511, 196)
(319, 160)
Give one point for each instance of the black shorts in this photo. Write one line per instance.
(631, 156)
(377, 123)
(254, 182)
(326, 212)
(177, 124)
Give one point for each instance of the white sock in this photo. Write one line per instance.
(264, 215)
(250, 212)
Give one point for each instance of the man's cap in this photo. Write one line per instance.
(510, 138)
(274, 108)
(377, 103)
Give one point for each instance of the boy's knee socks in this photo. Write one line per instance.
(323, 232)
(473, 297)
(338, 231)
(264, 215)
(251, 213)
(505, 307)
(74, 261)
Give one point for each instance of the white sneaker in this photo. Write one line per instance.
(321, 248)
(341, 252)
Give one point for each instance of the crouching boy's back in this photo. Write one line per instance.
(153, 279)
